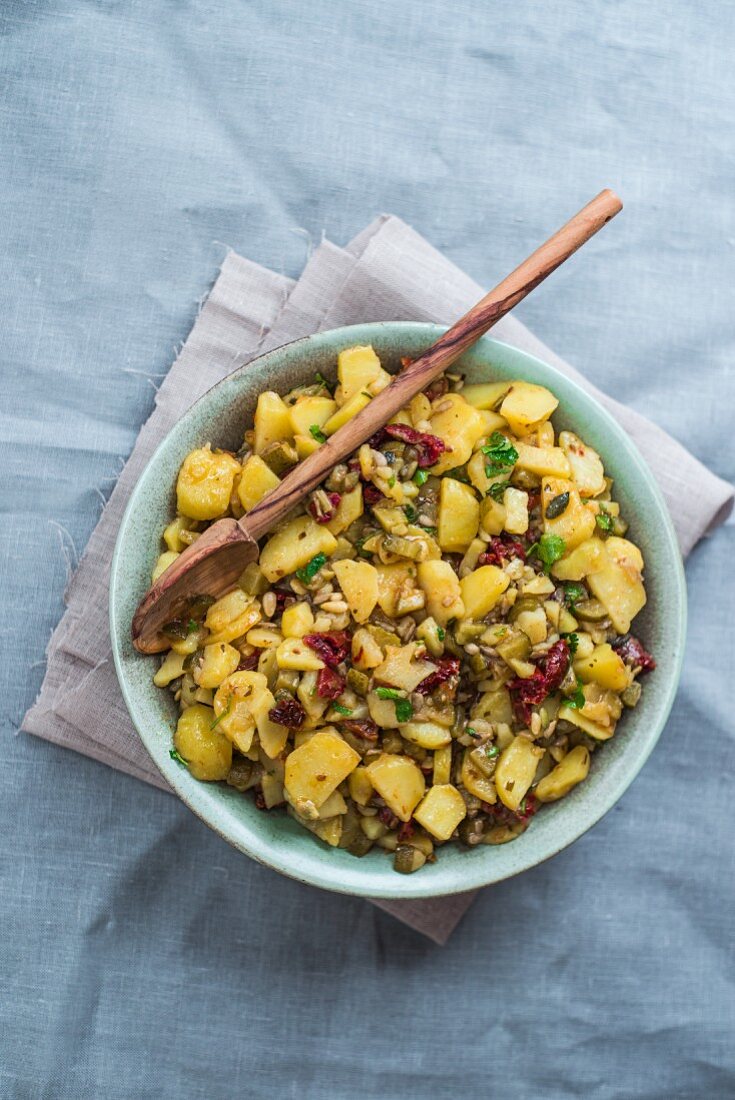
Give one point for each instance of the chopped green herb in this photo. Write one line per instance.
(557, 506)
(192, 626)
(318, 377)
(572, 641)
(549, 549)
(429, 530)
(420, 477)
(492, 751)
(404, 710)
(391, 481)
(310, 570)
(572, 593)
(388, 693)
(459, 473)
(496, 491)
(472, 733)
(176, 755)
(411, 513)
(441, 633)
(213, 725)
(500, 454)
(316, 432)
(341, 710)
(604, 521)
(575, 701)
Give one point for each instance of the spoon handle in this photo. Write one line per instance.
(417, 375)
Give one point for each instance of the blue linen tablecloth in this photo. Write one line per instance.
(140, 956)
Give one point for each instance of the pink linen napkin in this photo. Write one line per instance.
(388, 272)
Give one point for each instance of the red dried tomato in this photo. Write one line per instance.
(361, 727)
(500, 550)
(329, 684)
(386, 815)
(551, 670)
(448, 669)
(260, 801)
(429, 447)
(371, 494)
(634, 653)
(249, 663)
(283, 598)
(288, 712)
(406, 830)
(324, 517)
(504, 816)
(332, 646)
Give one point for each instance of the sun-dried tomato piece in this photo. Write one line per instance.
(332, 646)
(531, 691)
(448, 670)
(429, 447)
(634, 653)
(371, 494)
(283, 598)
(504, 816)
(406, 830)
(361, 727)
(329, 684)
(386, 815)
(249, 663)
(500, 550)
(288, 712)
(324, 515)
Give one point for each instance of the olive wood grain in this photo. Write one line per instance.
(214, 561)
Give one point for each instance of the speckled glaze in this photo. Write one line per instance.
(221, 416)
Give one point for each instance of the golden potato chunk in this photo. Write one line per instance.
(564, 513)
(297, 620)
(542, 461)
(317, 768)
(293, 546)
(348, 510)
(604, 667)
(205, 481)
(441, 811)
(516, 770)
(256, 481)
(236, 703)
(351, 408)
(460, 426)
(587, 470)
(485, 395)
(399, 781)
(272, 421)
(576, 564)
(459, 515)
(618, 584)
(441, 588)
(232, 616)
(359, 369)
(359, 583)
(402, 669)
(206, 750)
(570, 771)
(311, 412)
(526, 406)
(218, 662)
(481, 589)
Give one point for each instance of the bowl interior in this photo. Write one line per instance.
(221, 416)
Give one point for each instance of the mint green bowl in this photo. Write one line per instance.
(275, 839)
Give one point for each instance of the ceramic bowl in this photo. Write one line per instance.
(220, 416)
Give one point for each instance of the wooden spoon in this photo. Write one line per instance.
(212, 564)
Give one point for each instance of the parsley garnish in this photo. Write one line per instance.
(572, 593)
(575, 701)
(191, 626)
(213, 725)
(176, 755)
(441, 633)
(549, 549)
(572, 641)
(310, 570)
(316, 432)
(472, 733)
(458, 474)
(391, 481)
(388, 693)
(411, 513)
(491, 751)
(500, 454)
(341, 710)
(318, 377)
(496, 491)
(604, 521)
(404, 709)
(420, 477)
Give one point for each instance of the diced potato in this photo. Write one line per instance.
(171, 669)
(543, 435)
(399, 781)
(441, 811)
(360, 787)
(272, 421)
(459, 426)
(485, 395)
(272, 735)
(294, 653)
(494, 422)
(218, 662)
(163, 562)
(481, 589)
(618, 585)
(329, 831)
(604, 667)
(577, 564)
(429, 735)
(172, 534)
(492, 516)
(516, 771)
(312, 703)
(533, 625)
(473, 780)
(311, 412)
(515, 502)
(526, 406)
(494, 706)
(293, 545)
(576, 523)
(459, 515)
(263, 637)
(359, 583)
(236, 703)
(348, 510)
(332, 806)
(594, 729)
(442, 590)
(382, 711)
(401, 668)
(346, 412)
(358, 369)
(297, 620)
(207, 751)
(317, 768)
(442, 765)
(477, 475)
(366, 653)
(587, 470)
(570, 771)
(542, 461)
(305, 446)
(205, 481)
(232, 616)
(256, 481)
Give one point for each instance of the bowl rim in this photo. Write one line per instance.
(410, 887)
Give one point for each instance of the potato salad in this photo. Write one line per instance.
(433, 644)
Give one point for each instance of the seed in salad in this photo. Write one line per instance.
(442, 626)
